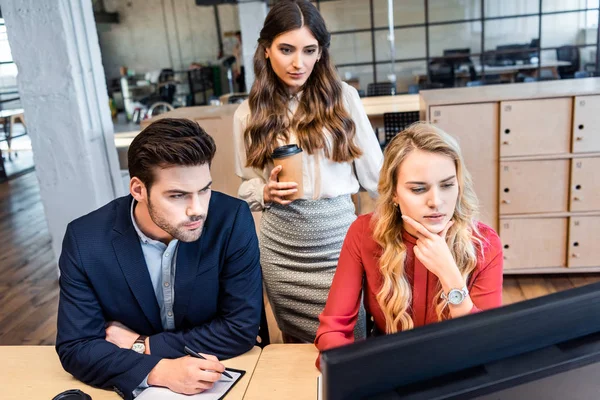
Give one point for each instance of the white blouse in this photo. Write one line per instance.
(322, 177)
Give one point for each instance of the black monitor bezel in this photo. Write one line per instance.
(371, 366)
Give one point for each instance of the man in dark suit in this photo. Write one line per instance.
(173, 264)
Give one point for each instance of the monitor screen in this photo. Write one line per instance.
(493, 352)
(458, 56)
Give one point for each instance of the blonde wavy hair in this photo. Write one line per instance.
(463, 238)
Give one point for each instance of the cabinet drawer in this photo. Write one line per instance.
(533, 127)
(479, 144)
(534, 186)
(585, 184)
(584, 236)
(586, 124)
(534, 242)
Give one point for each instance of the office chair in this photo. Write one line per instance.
(381, 89)
(570, 54)
(237, 98)
(395, 122)
(441, 72)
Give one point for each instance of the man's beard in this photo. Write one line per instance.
(178, 232)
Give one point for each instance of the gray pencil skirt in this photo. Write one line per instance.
(299, 249)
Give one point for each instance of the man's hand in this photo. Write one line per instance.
(186, 375)
(120, 335)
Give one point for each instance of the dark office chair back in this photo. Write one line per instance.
(570, 54)
(381, 89)
(237, 98)
(441, 72)
(393, 123)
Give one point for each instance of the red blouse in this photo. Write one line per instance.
(360, 257)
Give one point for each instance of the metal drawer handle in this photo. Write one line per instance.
(505, 201)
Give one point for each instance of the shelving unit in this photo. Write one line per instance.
(534, 152)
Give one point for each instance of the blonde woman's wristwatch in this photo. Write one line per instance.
(456, 296)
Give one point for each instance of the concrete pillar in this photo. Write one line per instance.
(62, 88)
(252, 18)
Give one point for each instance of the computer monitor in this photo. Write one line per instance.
(511, 53)
(490, 355)
(458, 56)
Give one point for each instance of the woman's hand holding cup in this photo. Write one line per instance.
(276, 192)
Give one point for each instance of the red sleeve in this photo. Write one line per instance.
(486, 285)
(339, 317)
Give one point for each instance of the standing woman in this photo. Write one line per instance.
(297, 98)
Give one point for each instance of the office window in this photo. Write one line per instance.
(567, 29)
(453, 10)
(505, 8)
(513, 30)
(406, 12)
(463, 35)
(409, 43)
(406, 73)
(563, 5)
(351, 48)
(363, 74)
(510, 31)
(345, 15)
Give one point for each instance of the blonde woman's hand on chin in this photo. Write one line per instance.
(275, 192)
(433, 252)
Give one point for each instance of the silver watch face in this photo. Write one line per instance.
(138, 347)
(456, 296)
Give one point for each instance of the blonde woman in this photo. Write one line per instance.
(422, 254)
(298, 98)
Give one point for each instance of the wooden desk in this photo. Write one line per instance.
(285, 371)
(34, 372)
(375, 107)
(504, 70)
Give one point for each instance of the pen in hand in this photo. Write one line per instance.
(194, 354)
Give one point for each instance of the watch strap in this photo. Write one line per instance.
(141, 339)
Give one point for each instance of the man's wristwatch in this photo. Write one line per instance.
(139, 346)
(456, 296)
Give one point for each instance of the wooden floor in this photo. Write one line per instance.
(28, 273)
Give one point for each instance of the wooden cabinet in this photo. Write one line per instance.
(534, 242)
(584, 237)
(547, 185)
(585, 184)
(534, 127)
(479, 145)
(586, 124)
(524, 186)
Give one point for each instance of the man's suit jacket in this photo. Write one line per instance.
(103, 277)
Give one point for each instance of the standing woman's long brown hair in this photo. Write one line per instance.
(321, 108)
(298, 99)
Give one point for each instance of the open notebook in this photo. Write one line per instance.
(221, 388)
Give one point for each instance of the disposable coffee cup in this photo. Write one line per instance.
(290, 158)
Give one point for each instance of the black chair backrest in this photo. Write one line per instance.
(381, 89)
(570, 54)
(393, 123)
(441, 71)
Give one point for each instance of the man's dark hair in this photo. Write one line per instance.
(168, 142)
